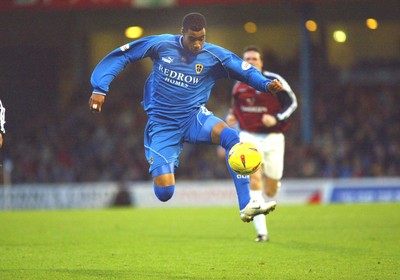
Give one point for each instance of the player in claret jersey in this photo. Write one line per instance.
(262, 119)
(185, 68)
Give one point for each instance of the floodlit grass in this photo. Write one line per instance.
(307, 242)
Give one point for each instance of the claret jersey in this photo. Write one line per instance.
(180, 81)
(249, 105)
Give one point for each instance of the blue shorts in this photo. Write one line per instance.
(163, 142)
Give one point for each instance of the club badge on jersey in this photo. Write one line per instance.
(199, 68)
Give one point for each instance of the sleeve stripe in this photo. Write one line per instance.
(2, 117)
(289, 111)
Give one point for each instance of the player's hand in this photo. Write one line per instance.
(275, 86)
(269, 120)
(1, 140)
(96, 101)
(230, 119)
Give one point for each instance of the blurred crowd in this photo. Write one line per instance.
(356, 133)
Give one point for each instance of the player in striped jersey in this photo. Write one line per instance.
(263, 119)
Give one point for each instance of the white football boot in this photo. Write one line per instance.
(254, 208)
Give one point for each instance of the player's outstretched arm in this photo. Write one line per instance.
(96, 101)
(275, 86)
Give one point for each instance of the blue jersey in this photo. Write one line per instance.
(180, 81)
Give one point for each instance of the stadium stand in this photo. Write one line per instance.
(356, 134)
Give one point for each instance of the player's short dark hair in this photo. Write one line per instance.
(194, 21)
(253, 48)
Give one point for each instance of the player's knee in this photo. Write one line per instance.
(228, 138)
(164, 193)
(164, 181)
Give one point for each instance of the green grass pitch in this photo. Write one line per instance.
(359, 241)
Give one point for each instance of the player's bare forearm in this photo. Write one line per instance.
(269, 120)
(275, 86)
(96, 101)
(230, 119)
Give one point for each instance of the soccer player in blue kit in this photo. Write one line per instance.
(185, 69)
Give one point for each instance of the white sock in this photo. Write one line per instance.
(260, 223)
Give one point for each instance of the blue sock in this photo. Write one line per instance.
(228, 139)
(164, 193)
